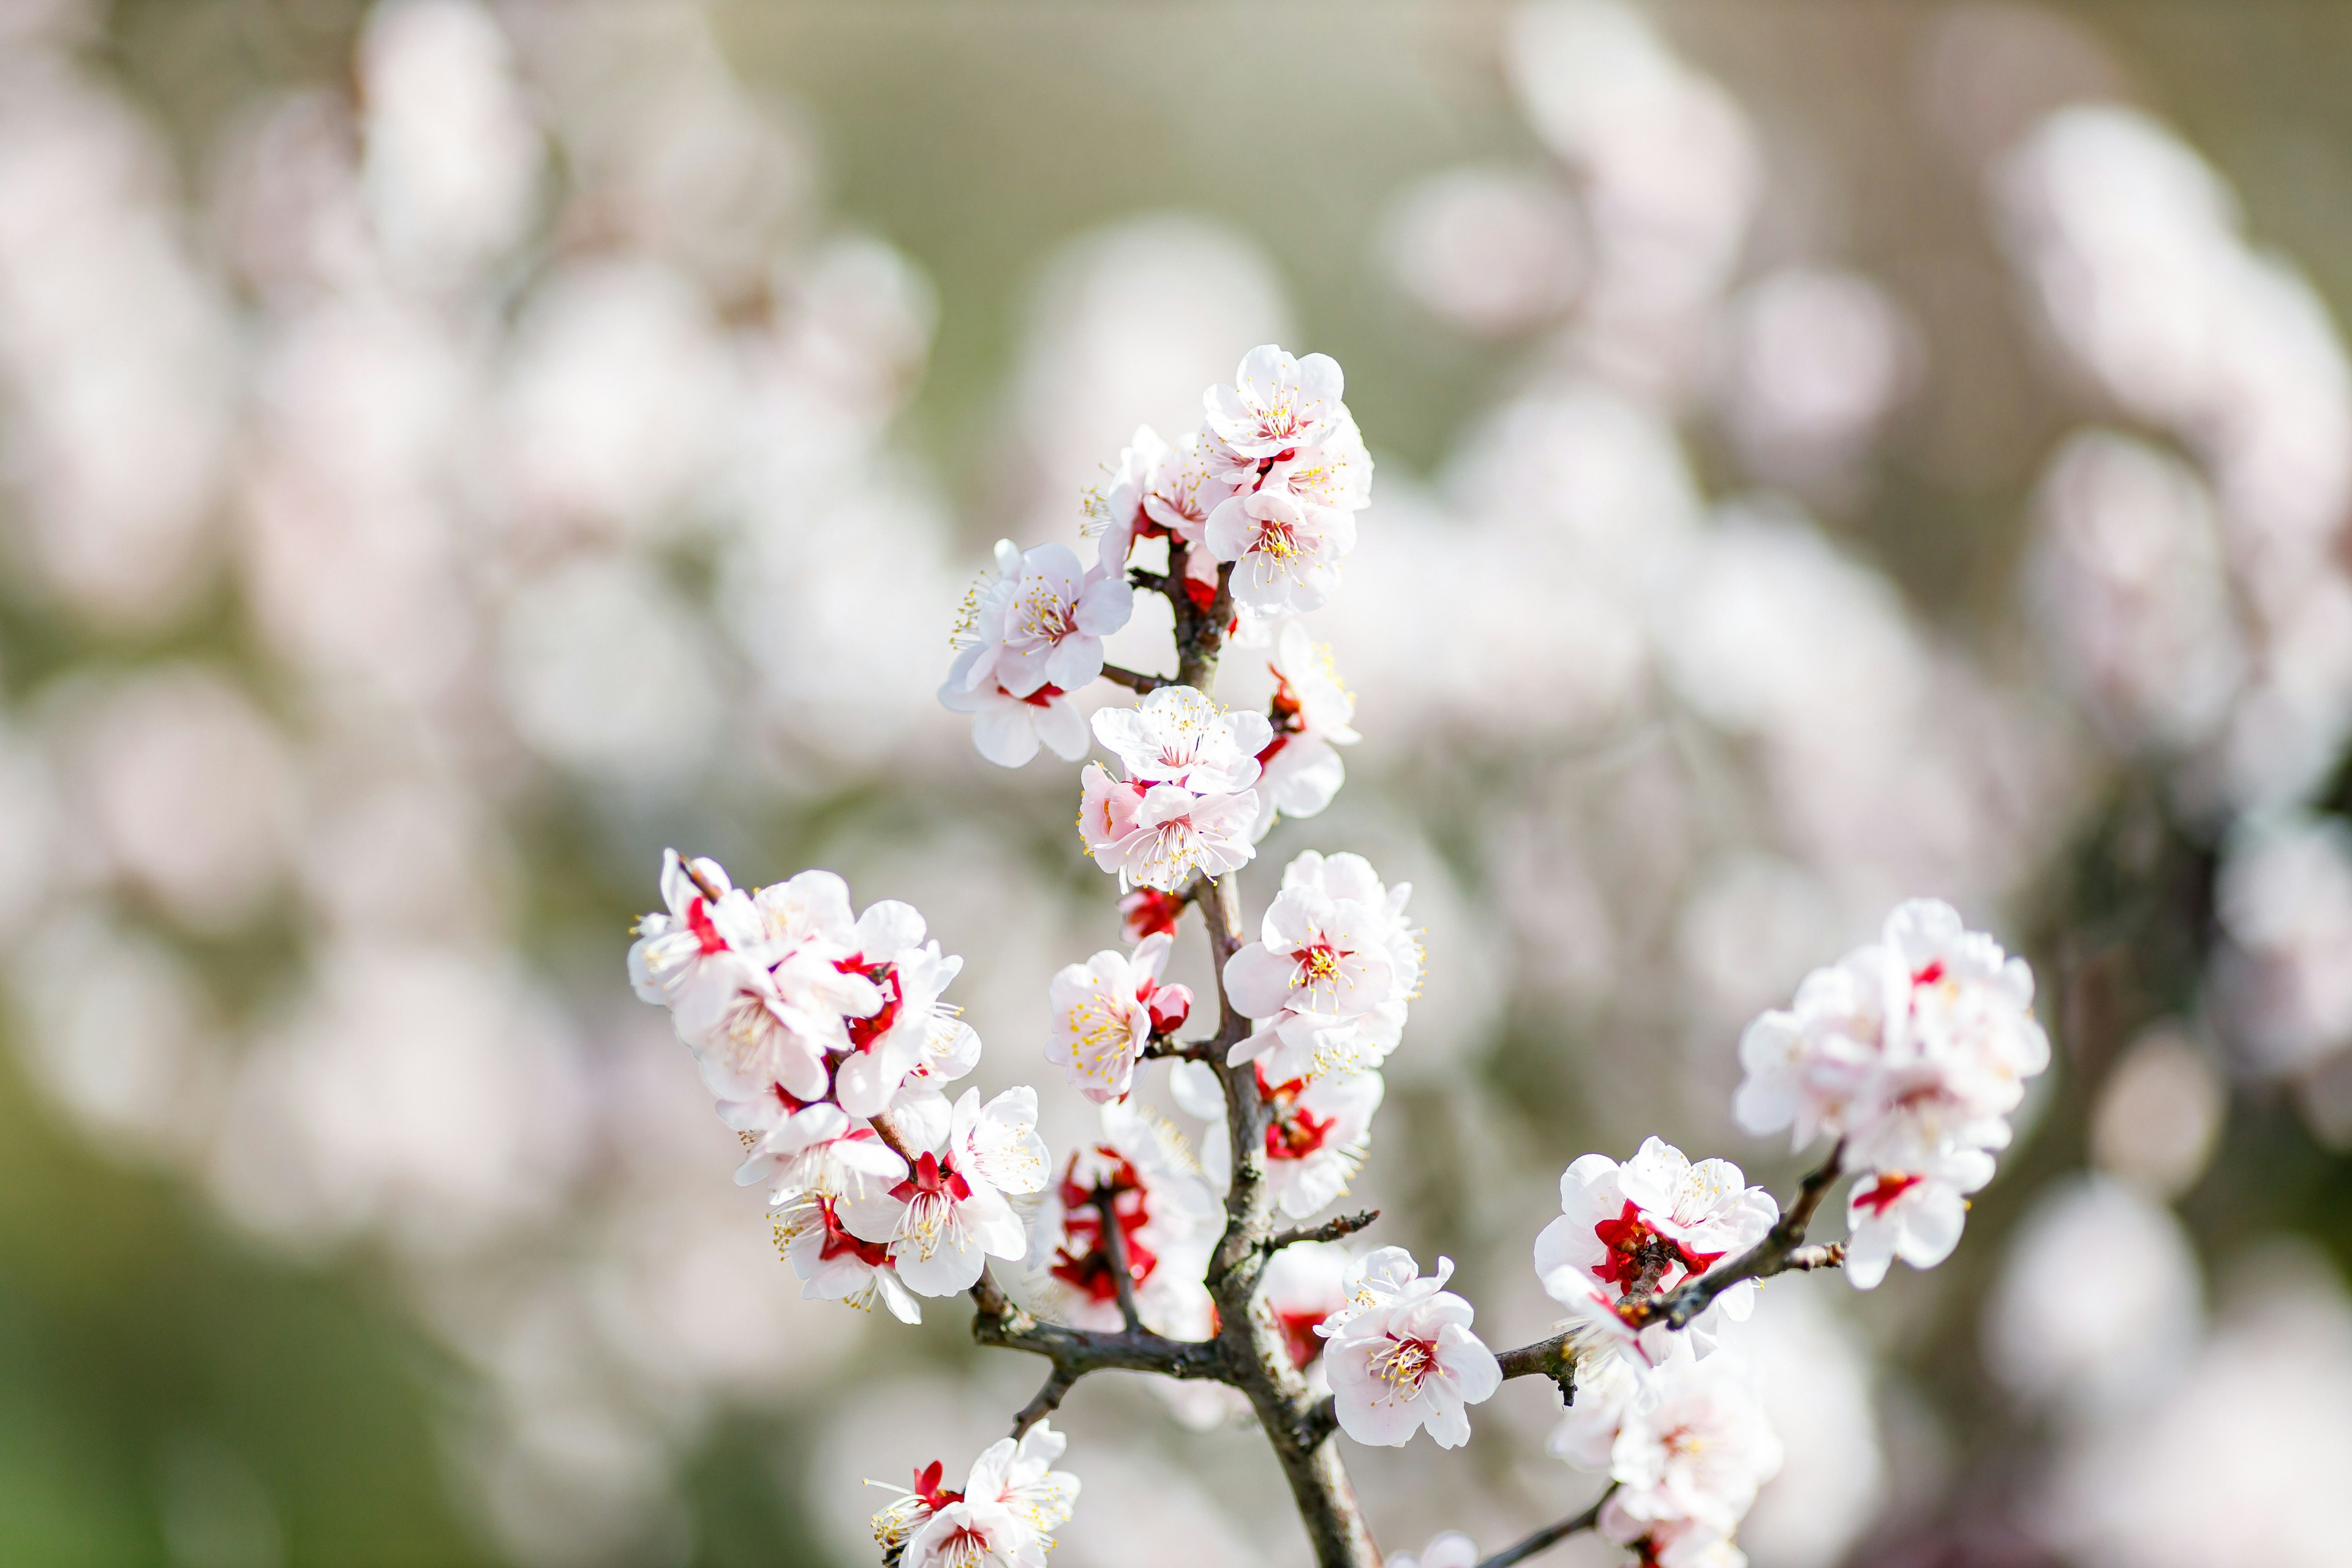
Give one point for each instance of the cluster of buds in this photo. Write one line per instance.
(825, 1038)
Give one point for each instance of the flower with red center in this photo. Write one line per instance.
(1168, 1222)
(1147, 912)
(835, 1264)
(1319, 963)
(1627, 1232)
(1275, 402)
(908, 974)
(1106, 1011)
(1311, 713)
(1915, 1215)
(1316, 1135)
(949, 1215)
(1004, 1517)
(1162, 835)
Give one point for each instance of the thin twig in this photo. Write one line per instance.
(1163, 1048)
(1550, 1535)
(1329, 1231)
(1134, 680)
(1059, 1382)
(1771, 1255)
(1115, 1247)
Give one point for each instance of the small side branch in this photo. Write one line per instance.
(1075, 1353)
(1115, 1249)
(1059, 1382)
(1550, 1535)
(1164, 1048)
(1777, 1253)
(1133, 680)
(1329, 1231)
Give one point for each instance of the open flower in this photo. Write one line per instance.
(834, 1263)
(1915, 1215)
(1319, 962)
(1007, 730)
(1694, 1445)
(697, 944)
(1162, 835)
(1918, 1043)
(1168, 1222)
(1276, 402)
(1285, 554)
(1116, 515)
(1002, 1517)
(1316, 1137)
(949, 1213)
(1040, 619)
(798, 1148)
(1178, 735)
(1401, 1355)
(1313, 713)
(1181, 494)
(1106, 1011)
(909, 974)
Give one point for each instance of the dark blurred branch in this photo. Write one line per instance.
(1550, 1535)
(1115, 1249)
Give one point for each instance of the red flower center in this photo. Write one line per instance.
(698, 920)
(1295, 1133)
(1890, 1185)
(1042, 697)
(837, 1241)
(933, 1178)
(1633, 1244)
(1299, 1333)
(864, 1032)
(1083, 1260)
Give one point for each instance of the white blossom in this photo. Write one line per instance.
(1285, 554)
(949, 1215)
(1318, 963)
(1168, 1222)
(1401, 1355)
(1316, 1136)
(1008, 730)
(1176, 735)
(1919, 1042)
(1039, 620)
(1313, 712)
(1162, 835)
(1276, 402)
(1692, 1443)
(1106, 1011)
(908, 974)
(798, 1148)
(1004, 1517)
(836, 1265)
(1913, 1214)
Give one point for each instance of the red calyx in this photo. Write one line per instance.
(933, 1178)
(927, 1487)
(1169, 1005)
(1147, 912)
(1299, 1333)
(1294, 1134)
(1042, 697)
(1629, 1238)
(864, 1032)
(1890, 1185)
(872, 1254)
(698, 920)
(1929, 975)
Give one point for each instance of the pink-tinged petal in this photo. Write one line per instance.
(1230, 529)
(1057, 566)
(953, 1268)
(1021, 670)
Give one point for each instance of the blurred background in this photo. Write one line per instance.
(450, 450)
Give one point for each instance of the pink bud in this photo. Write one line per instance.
(1170, 1005)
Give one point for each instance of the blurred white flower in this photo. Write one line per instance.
(2051, 1348)
(2284, 978)
(606, 670)
(2159, 1112)
(1812, 362)
(1492, 252)
(429, 1095)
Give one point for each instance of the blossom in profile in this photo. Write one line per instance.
(1401, 1355)
(909, 974)
(1106, 1010)
(1178, 735)
(1915, 1214)
(835, 1264)
(1313, 713)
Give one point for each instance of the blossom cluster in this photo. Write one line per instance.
(1911, 1052)
(824, 1038)
(1004, 1516)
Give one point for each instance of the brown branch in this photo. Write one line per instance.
(1133, 680)
(1773, 1255)
(1075, 1353)
(1059, 1382)
(1115, 1248)
(1329, 1231)
(1550, 1535)
(1164, 1048)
